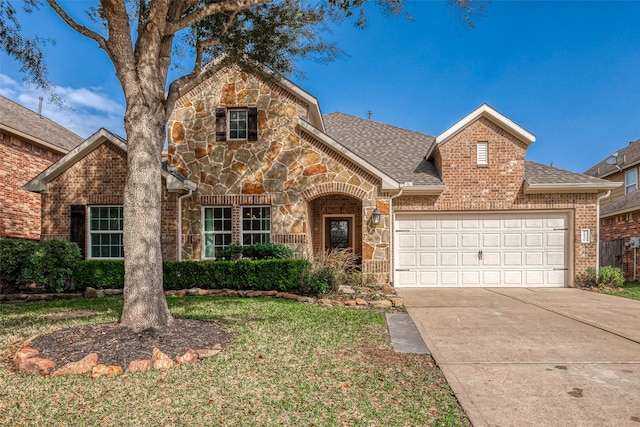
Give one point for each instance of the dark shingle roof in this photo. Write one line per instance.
(628, 202)
(397, 152)
(23, 120)
(628, 155)
(536, 173)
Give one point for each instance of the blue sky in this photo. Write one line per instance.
(569, 72)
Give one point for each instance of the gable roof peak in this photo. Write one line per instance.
(486, 111)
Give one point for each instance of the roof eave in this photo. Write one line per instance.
(568, 188)
(33, 139)
(620, 212)
(40, 183)
(424, 190)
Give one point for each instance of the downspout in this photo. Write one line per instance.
(392, 235)
(605, 195)
(180, 222)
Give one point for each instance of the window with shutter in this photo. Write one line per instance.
(237, 124)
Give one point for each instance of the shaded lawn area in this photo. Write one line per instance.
(288, 364)
(629, 290)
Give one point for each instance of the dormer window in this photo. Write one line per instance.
(630, 181)
(482, 152)
(236, 124)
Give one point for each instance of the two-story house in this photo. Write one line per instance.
(252, 160)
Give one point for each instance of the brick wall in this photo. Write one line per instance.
(623, 226)
(20, 210)
(98, 179)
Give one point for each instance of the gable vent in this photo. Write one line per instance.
(483, 153)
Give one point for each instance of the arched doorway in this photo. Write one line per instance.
(336, 222)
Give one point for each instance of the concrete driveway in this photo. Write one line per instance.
(534, 357)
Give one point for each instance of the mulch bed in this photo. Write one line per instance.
(116, 345)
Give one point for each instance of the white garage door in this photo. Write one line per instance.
(506, 250)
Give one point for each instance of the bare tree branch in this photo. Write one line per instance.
(77, 27)
(211, 9)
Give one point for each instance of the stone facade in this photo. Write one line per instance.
(98, 179)
(299, 177)
(20, 210)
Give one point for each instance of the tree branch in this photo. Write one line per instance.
(77, 27)
(211, 9)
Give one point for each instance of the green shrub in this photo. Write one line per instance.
(257, 251)
(611, 276)
(607, 276)
(326, 274)
(99, 274)
(53, 263)
(15, 263)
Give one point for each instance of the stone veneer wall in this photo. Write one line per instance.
(98, 179)
(20, 210)
(285, 168)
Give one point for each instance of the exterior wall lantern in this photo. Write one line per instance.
(375, 217)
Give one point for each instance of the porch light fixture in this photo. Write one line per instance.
(375, 217)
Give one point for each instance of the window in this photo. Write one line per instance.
(237, 124)
(482, 152)
(217, 227)
(256, 225)
(630, 181)
(105, 232)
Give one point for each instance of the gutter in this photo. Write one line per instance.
(392, 222)
(184, 196)
(604, 196)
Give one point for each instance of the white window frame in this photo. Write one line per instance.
(246, 124)
(630, 186)
(204, 232)
(91, 232)
(244, 232)
(482, 153)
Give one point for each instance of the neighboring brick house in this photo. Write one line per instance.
(29, 142)
(263, 164)
(620, 213)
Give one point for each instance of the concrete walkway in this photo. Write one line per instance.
(534, 357)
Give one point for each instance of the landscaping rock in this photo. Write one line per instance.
(386, 289)
(397, 302)
(191, 356)
(286, 295)
(306, 300)
(90, 293)
(232, 293)
(269, 293)
(350, 303)
(139, 365)
(22, 355)
(103, 370)
(181, 293)
(325, 302)
(193, 292)
(82, 366)
(383, 303)
(346, 290)
(209, 352)
(16, 297)
(361, 302)
(112, 291)
(203, 292)
(159, 360)
(37, 366)
(75, 295)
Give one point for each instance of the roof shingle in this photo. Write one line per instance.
(15, 116)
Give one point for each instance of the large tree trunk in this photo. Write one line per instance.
(145, 305)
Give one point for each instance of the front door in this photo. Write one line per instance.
(338, 233)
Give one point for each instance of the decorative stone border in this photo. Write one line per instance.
(26, 361)
(383, 300)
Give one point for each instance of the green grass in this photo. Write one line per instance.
(630, 290)
(288, 364)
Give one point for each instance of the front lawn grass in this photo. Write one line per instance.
(629, 290)
(289, 364)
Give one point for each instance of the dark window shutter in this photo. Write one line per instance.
(252, 124)
(221, 124)
(78, 224)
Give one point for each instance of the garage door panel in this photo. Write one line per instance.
(497, 249)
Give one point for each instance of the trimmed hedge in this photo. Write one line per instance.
(260, 275)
